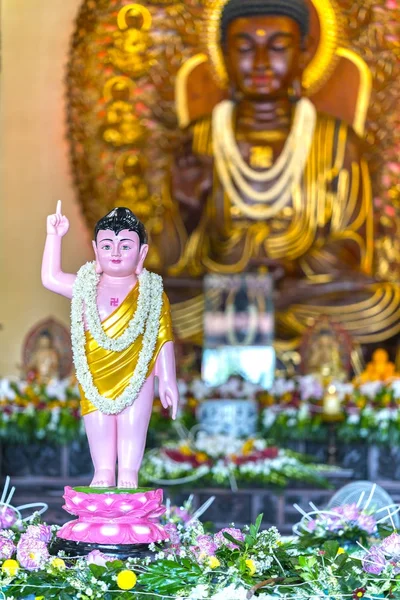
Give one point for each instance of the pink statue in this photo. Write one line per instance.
(121, 337)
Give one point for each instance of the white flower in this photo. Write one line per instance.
(231, 592)
(199, 389)
(371, 388)
(269, 418)
(282, 386)
(395, 385)
(146, 318)
(353, 419)
(386, 414)
(343, 389)
(6, 392)
(182, 388)
(198, 592)
(58, 389)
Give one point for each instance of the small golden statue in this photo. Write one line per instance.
(325, 359)
(44, 362)
(380, 368)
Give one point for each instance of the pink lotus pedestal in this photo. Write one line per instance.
(113, 517)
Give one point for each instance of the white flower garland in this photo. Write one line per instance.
(146, 319)
(86, 287)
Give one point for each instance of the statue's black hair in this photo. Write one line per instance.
(294, 9)
(119, 219)
(45, 333)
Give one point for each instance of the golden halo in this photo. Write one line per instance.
(134, 8)
(320, 66)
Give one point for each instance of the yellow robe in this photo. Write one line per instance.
(112, 371)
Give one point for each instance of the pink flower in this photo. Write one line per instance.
(367, 522)
(39, 532)
(349, 511)
(391, 545)
(95, 557)
(173, 534)
(206, 544)
(181, 513)
(32, 553)
(8, 517)
(311, 525)
(7, 548)
(221, 540)
(374, 562)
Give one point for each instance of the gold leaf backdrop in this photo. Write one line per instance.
(122, 124)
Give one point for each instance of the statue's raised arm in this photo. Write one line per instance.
(53, 278)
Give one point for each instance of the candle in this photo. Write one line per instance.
(331, 403)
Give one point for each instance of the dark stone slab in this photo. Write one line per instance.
(79, 460)
(22, 460)
(389, 463)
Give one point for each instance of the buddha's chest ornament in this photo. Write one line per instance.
(242, 180)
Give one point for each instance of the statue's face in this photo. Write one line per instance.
(44, 342)
(263, 55)
(119, 255)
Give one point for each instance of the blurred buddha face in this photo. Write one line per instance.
(263, 55)
(44, 342)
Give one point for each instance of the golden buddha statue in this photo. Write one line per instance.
(324, 360)
(269, 182)
(44, 362)
(380, 368)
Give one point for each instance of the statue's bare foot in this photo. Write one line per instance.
(103, 478)
(127, 478)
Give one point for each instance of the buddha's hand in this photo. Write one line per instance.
(169, 396)
(191, 179)
(57, 224)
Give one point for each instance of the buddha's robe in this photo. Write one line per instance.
(323, 238)
(112, 371)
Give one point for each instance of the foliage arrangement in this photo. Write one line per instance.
(293, 410)
(230, 564)
(350, 523)
(222, 460)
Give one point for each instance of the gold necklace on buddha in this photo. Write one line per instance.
(287, 170)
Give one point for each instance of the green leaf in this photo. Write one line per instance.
(230, 537)
(258, 522)
(331, 547)
(97, 570)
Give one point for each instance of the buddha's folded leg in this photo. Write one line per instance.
(370, 315)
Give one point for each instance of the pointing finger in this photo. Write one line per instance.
(58, 209)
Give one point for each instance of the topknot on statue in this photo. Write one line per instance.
(119, 219)
(294, 9)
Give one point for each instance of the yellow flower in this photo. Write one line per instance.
(247, 447)
(201, 457)
(10, 567)
(341, 551)
(213, 562)
(126, 580)
(185, 450)
(39, 597)
(58, 563)
(251, 566)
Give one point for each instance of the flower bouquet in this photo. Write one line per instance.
(219, 459)
(348, 523)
